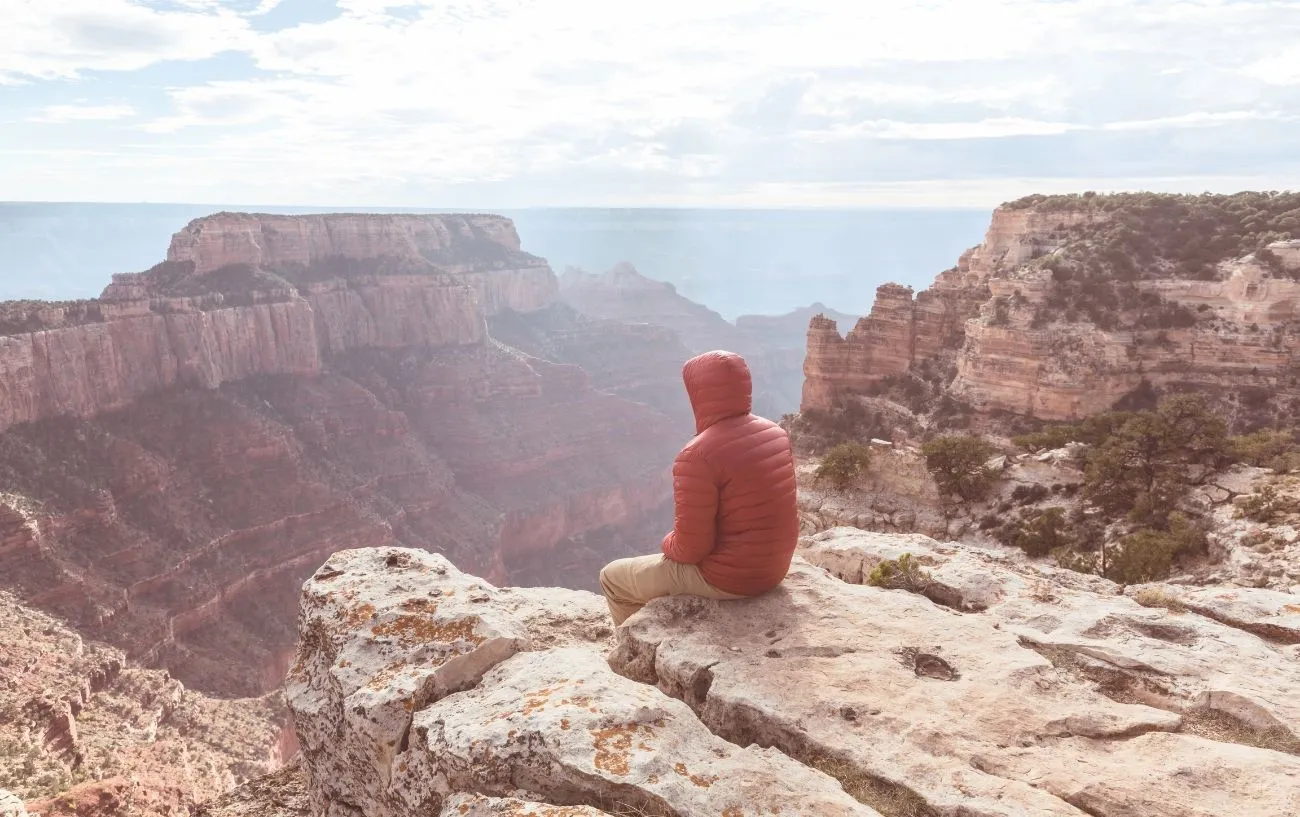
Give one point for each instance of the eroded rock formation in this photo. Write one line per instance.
(181, 453)
(999, 688)
(1001, 335)
(773, 345)
(417, 685)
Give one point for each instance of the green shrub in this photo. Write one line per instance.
(903, 573)
(1268, 449)
(843, 464)
(958, 463)
(1029, 494)
(816, 431)
(1041, 533)
(1148, 554)
(1268, 506)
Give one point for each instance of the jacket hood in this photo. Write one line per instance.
(719, 386)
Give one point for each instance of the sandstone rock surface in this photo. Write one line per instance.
(1014, 689)
(1036, 705)
(10, 805)
(416, 683)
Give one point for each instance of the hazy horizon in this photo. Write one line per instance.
(735, 261)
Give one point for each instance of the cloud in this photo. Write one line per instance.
(63, 40)
(83, 113)
(574, 101)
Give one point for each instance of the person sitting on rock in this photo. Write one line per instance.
(737, 521)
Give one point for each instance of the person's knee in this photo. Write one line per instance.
(606, 585)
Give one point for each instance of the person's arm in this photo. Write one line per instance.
(695, 499)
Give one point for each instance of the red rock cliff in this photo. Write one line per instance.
(1024, 323)
(179, 454)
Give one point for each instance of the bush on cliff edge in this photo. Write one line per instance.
(843, 464)
(959, 465)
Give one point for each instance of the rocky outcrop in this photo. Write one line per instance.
(999, 688)
(418, 687)
(993, 334)
(11, 805)
(180, 454)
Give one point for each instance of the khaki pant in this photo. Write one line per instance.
(629, 584)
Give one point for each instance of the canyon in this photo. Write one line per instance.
(179, 454)
(363, 468)
(773, 345)
(1016, 326)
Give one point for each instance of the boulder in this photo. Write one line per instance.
(415, 683)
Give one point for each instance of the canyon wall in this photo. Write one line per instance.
(176, 456)
(993, 333)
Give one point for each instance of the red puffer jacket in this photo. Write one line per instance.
(733, 484)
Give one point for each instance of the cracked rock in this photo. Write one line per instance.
(1050, 704)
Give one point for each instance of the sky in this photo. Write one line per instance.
(727, 103)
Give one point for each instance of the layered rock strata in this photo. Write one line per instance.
(980, 320)
(1250, 340)
(180, 454)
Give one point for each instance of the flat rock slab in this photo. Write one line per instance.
(957, 713)
(1270, 614)
(418, 687)
(563, 726)
(1147, 645)
(10, 805)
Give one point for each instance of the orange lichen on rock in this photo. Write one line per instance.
(413, 630)
(357, 615)
(703, 781)
(420, 606)
(614, 746)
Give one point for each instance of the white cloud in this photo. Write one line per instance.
(408, 101)
(1278, 69)
(62, 40)
(83, 113)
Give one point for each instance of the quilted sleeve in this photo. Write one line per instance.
(695, 498)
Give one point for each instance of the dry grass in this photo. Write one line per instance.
(1220, 726)
(890, 799)
(1159, 596)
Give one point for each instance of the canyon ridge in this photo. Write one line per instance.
(1074, 303)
